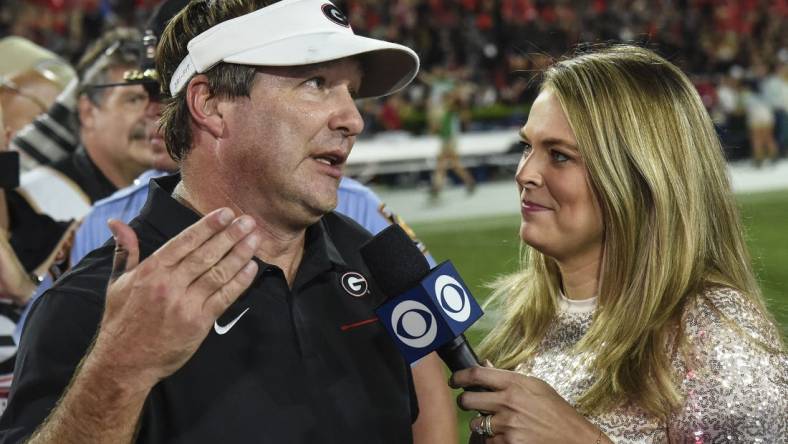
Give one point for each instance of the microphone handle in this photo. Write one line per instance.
(458, 355)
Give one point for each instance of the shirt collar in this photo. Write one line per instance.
(168, 216)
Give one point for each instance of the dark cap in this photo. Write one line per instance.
(147, 74)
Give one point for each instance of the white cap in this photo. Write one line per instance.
(298, 32)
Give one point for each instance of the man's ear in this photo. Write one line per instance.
(86, 111)
(203, 106)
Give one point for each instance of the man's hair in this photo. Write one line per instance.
(671, 225)
(224, 80)
(118, 48)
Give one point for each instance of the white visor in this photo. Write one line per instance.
(298, 32)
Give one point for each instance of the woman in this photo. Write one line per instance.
(636, 316)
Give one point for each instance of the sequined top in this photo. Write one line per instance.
(734, 390)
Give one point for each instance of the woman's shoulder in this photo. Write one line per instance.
(731, 370)
(724, 312)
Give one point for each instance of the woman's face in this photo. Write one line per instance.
(560, 215)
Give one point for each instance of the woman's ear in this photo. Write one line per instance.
(203, 106)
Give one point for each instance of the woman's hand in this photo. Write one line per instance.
(523, 409)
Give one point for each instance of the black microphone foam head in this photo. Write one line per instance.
(394, 261)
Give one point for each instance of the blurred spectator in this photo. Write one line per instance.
(117, 124)
(390, 117)
(760, 123)
(729, 114)
(449, 128)
(25, 96)
(29, 244)
(775, 90)
(31, 77)
(19, 55)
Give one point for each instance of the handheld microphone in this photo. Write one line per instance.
(425, 310)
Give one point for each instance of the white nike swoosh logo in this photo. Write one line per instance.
(220, 330)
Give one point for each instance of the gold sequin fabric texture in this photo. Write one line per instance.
(734, 390)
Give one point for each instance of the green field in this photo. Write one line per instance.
(484, 248)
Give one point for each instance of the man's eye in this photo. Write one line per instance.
(316, 82)
(137, 99)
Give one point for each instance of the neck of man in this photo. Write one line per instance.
(119, 175)
(281, 244)
(580, 275)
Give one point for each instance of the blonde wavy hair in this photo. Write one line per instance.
(671, 226)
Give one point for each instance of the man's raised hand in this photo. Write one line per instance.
(159, 311)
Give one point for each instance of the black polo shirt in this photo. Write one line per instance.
(302, 365)
(80, 168)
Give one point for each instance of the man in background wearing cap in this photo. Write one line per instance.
(31, 74)
(115, 125)
(255, 328)
(118, 124)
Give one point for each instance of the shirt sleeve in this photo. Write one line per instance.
(365, 207)
(732, 373)
(58, 333)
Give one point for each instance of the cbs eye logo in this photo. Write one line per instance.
(414, 324)
(452, 298)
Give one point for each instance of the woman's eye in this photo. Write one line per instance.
(559, 156)
(525, 146)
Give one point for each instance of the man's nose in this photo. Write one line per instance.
(346, 117)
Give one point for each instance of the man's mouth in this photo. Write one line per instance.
(328, 160)
(334, 158)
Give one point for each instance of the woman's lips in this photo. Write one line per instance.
(533, 207)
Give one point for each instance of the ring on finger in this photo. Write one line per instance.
(486, 426)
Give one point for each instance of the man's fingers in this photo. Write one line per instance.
(218, 302)
(171, 253)
(127, 251)
(226, 269)
(206, 257)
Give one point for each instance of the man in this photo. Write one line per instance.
(51, 136)
(118, 133)
(29, 243)
(113, 127)
(26, 95)
(259, 328)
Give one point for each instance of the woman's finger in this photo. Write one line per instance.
(485, 402)
(490, 378)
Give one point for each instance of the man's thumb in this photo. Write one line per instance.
(127, 251)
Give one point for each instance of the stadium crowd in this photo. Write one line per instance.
(735, 50)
